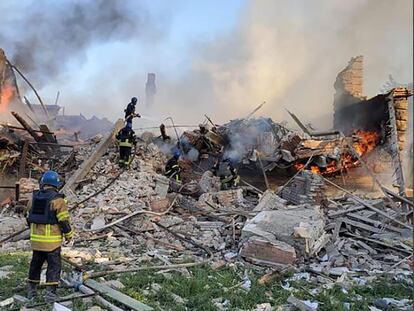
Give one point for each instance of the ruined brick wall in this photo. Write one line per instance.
(348, 87)
(351, 79)
(400, 101)
(306, 187)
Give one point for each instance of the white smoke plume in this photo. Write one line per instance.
(285, 52)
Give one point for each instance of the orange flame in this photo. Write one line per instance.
(7, 94)
(366, 142)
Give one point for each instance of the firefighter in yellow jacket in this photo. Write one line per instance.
(127, 139)
(49, 221)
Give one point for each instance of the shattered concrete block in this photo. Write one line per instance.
(159, 206)
(98, 222)
(273, 232)
(303, 305)
(6, 302)
(9, 225)
(225, 198)
(162, 184)
(209, 182)
(264, 307)
(314, 235)
(270, 201)
(260, 251)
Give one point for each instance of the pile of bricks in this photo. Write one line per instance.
(306, 187)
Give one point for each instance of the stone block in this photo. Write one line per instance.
(270, 201)
(159, 206)
(9, 225)
(273, 232)
(260, 251)
(162, 184)
(225, 198)
(209, 182)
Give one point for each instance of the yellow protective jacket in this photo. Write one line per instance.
(48, 237)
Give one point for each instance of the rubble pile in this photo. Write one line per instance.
(131, 218)
(365, 241)
(342, 238)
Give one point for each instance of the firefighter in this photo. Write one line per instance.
(127, 139)
(49, 222)
(227, 173)
(172, 168)
(130, 112)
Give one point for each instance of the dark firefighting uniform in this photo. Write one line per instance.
(227, 173)
(129, 114)
(49, 222)
(173, 170)
(126, 138)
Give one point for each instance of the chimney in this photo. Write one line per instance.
(150, 90)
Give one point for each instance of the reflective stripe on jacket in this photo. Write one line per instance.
(48, 237)
(125, 143)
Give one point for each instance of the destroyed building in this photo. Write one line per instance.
(30, 132)
(127, 219)
(361, 126)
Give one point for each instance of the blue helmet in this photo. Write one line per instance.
(177, 154)
(50, 178)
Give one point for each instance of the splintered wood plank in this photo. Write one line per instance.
(349, 210)
(361, 225)
(376, 223)
(118, 296)
(47, 134)
(99, 151)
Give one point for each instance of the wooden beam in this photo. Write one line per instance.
(361, 225)
(32, 87)
(23, 129)
(118, 296)
(370, 206)
(263, 171)
(23, 159)
(99, 151)
(27, 127)
(398, 197)
(378, 242)
(349, 210)
(101, 301)
(49, 137)
(29, 104)
(376, 223)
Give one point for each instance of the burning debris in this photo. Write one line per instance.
(35, 138)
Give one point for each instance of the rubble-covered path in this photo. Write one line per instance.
(200, 248)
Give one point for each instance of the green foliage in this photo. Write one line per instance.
(14, 283)
(205, 285)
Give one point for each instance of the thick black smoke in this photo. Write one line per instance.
(45, 35)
